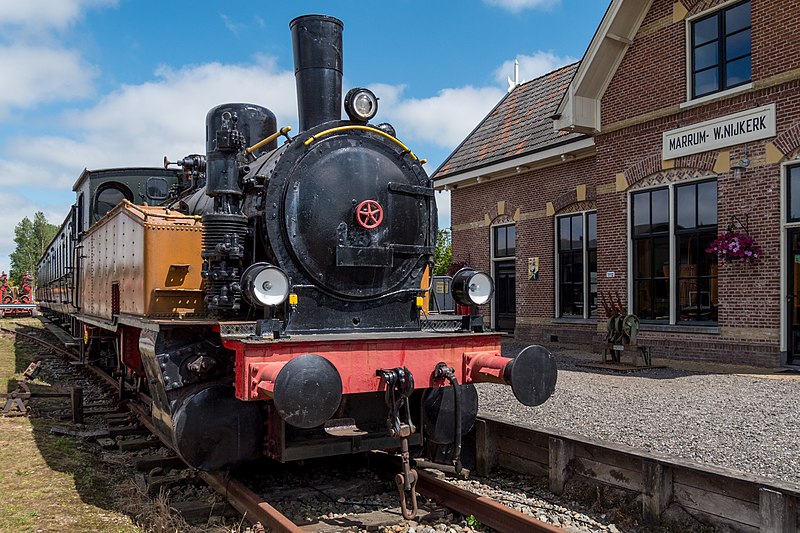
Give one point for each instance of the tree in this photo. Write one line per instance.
(32, 239)
(443, 254)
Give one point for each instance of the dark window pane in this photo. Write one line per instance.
(660, 206)
(706, 82)
(498, 244)
(592, 236)
(661, 299)
(577, 232)
(706, 56)
(643, 304)
(707, 203)
(577, 268)
(106, 200)
(682, 246)
(563, 233)
(661, 257)
(705, 30)
(157, 188)
(643, 258)
(739, 71)
(504, 245)
(737, 45)
(641, 213)
(794, 192)
(705, 262)
(592, 283)
(685, 206)
(737, 18)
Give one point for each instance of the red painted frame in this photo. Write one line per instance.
(475, 358)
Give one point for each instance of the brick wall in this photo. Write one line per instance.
(652, 76)
(640, 104)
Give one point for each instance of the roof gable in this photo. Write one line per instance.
(580, 108)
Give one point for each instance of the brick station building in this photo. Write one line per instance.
(606, 182)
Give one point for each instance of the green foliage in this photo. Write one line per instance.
(473, 522)
(32, 238)
(443, 254)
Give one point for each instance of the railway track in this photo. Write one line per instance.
(714, 496)
(262, 514)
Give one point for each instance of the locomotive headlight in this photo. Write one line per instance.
(471, 287)
(265, 285)
(360, 104)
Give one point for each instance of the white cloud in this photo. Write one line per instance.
(516, 6)
(532, 66)
(232, 26)
(35, 75)
(139, 124)
(41, 15)
(443, 120)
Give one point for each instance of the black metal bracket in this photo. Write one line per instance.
(737, 222)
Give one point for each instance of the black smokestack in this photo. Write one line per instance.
(317, 43)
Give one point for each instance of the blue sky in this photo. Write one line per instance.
(104, 83)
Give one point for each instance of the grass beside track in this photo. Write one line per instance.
(49, 483)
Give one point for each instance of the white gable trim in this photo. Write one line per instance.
(580, 108)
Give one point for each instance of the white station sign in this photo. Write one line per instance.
(746, 126)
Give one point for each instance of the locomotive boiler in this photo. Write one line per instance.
(271, 304)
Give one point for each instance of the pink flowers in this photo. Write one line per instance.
(732, 246)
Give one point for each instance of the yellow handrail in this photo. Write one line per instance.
(283, 131)
(364, 128)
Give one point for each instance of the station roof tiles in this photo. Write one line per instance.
(519, 124)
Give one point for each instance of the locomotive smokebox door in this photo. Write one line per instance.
(356, 213)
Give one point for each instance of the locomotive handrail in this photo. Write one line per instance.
(364, 128)
(145, 214)
(266, 140)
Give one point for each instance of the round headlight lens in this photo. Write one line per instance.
(472, 287)
(265, 285)
(364, 105)
(361, 104)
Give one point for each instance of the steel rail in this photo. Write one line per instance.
(44, 343)
(249, 503)
(486, 510)
(66, 353)
(489, 512)
(240, 497)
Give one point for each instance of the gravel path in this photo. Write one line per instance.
(748, 422)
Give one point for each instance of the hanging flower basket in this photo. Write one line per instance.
(732, 246)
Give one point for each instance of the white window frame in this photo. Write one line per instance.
(784, 254)
(690, 102)
(494, 261)
(673, 260)
(586, 279)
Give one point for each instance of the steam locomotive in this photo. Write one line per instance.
(266, 300)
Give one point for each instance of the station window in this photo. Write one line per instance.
(721, 50)
(695, 229)
(793, 201)
(505, 239)
(577, 265)
(693, 215)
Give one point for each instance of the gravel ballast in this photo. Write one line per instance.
(743, 421)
